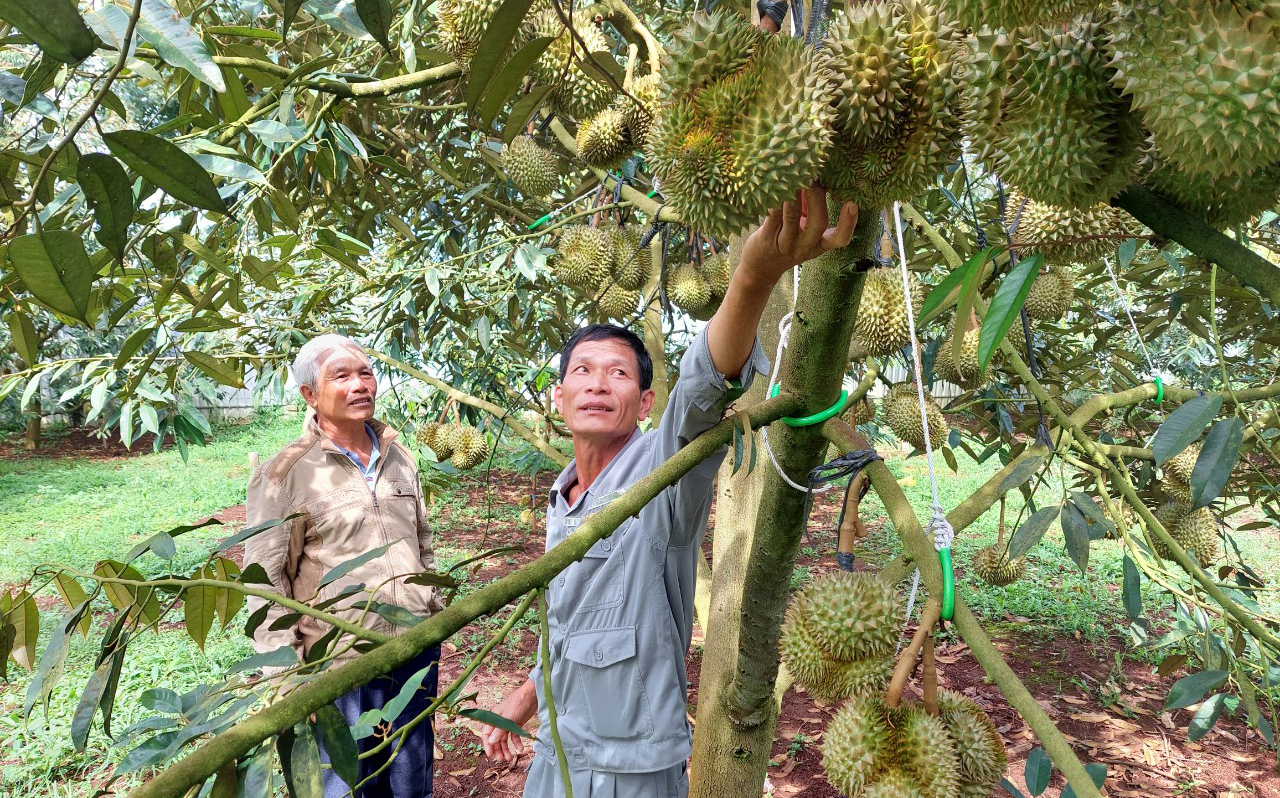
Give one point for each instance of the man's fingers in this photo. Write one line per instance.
(790, 225)
(815, 203)
(842, 233)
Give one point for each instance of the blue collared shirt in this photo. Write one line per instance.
(369, 472)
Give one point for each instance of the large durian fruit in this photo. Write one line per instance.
(742, 122)
(979, 747)
(442, 439)
(426, 434)
(639, 118)
(584, 257)
(1222, 202)
(902, 411)
(861, 412)
(871, 750)
(470, 448)
(1194, 530)
(632, 263)
(1010, 14)
(1042, 113)
(604, 140)
(687, 288)
(533, 169)
(881, 326)
(993, 565)
(617, 303)
(1177, 471)
(1064, 235)
(1204, 76)
(577, 94)
(964, 371)
(897, 123)
(1051, 294)
(460, 24)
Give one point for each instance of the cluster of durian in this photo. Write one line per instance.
(1194, 530)
(698, 287)
(993, 565)
(881, 326)
(461, 444)
(902, 412)
(897, 123)
(605, 263)
(461, 23)
(744, 122)
(839, 635)
(532, 168)
(607, 140)
(1066, 235)
(871, 750)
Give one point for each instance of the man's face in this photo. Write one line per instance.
(600, 396)
(345, 388)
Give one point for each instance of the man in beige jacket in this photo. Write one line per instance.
(355, 490)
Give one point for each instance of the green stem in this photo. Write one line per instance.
(552, 718)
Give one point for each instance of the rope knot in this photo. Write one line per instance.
(943, 534)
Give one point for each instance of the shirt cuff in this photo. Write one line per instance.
(756, 362)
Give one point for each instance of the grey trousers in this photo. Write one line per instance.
(544, 782)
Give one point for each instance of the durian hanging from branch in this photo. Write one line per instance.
(698, 285)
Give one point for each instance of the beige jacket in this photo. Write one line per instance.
(340, 519)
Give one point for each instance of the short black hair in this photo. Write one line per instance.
(606, 332)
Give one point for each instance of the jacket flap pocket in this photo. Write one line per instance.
(600, 648)
(401, 489)
(603, 548)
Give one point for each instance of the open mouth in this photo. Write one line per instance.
(360, 402)
(596, 409)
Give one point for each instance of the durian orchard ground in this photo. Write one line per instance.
(1059, 632)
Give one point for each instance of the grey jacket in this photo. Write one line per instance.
(622, 618)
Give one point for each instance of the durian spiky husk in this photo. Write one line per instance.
(861, 412)
(826, 679)
(902, 411)
(687, 288)
(470, 448)
(732, 141)
(1010, 14)
(1051, 294)
(855, 744)
(881, 326)
(897, 123)
(980, 749)
(461, 23)
(533, 169)
(1181, 465)
(1042, 113)
(1223, 202)
(445, 441)
(617, 303)
(1204, 76)
(716, 270)
(1064, 235)
(632, 263)
(993, 566)
(1169, 513)
(577, 94)
(427, 433)
(604, 141)
(925, 752)
(964, 372)
(872, 750)
(638, 118)
(584, 257)
(1197, 532)
(851, 615)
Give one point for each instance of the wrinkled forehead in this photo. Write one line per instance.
(606, 352)
(343, 358)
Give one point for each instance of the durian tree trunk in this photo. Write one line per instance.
(31, 437)
(755, 550)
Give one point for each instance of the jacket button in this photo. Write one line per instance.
(604, 544)
(599, 655)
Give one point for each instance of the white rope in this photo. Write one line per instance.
(1124, 301)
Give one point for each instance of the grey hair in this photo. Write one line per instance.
(306, 366)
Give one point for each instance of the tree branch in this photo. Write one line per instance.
(655, 211)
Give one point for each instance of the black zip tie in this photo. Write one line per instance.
(846, 465)
(546, 123)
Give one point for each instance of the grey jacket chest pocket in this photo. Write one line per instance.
(603, 572)
(607, 680)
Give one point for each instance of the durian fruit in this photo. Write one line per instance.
(881, 326)
(427, 433)
(861, 412)
(925, 752)
(873, 751)
(964, 372)
(1177, 474)
(1042, 113)
(825, 678)
(1123, 516)
(857, 743)
(461, 23)
(617, 303)
(1051, 294)
(979, 748)
(604, 140)
(716, 270)
(742, 122)
(1064, 235)
(445, 441)
(993, 566)
(584, 257)
(577, 94)
(851, 615)
(1197, 532)
(1168, 514)
(533, 169)
(897, 124)
(1223, 202)
(687, 288)
(1204, 76)
(470, 449)
(632, 263)
(639, 118)
(902, 411)
(1010, 14)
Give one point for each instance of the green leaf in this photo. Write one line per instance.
(138, 602)
(90, 698)
(177, 43)
(227, 602)
(54, 25)
(167, 167)
(521, 113)
(25, 618)
(50, 669)
(304, 776)
(198, 609)
(74, 596)
(341, 570)
(1005, 307)
(7, 633)
(1076, 532)
(1096, 521)
(221, 371)
(1125, 252)
(290, 12)
(1206, 716)
(1217, 457)
(1029, 534)
(396, 706)
(1021, 473)
(1009, 788)
(494, 719)
(25, 341)
(335, 736)
(493, 46)
(1039, 769)
(131, 346)
(1191, 689)
(250, 531)
(510, 78)
(110, 194)
(601, 66)
(211, 322)
(284, 656)
(55, 268)
(963, 279)
(376, 16)
(255, 776)
(1132, 590)
(1183, 426)
(1097, 773)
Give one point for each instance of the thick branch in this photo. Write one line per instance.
(655, 211)
(1192, 232)
(233, 743)
(629, 25)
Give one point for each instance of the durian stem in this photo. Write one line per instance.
(1189, 230)
(929, 678)
(907, 661)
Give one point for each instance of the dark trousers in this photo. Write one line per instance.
(409, 773)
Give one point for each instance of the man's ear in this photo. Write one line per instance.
(308, 395)
(557, 398)
(646, 402)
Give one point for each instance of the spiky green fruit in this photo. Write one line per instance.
(855, 744)
(925, 752)
(460, 24)
(533, 169)
(1223, 202)
(716, 270)
(993, 566)
(965, 371)
(851, 615)
(1051, 294)
(897, 123)
(1042, 113)
(881, 325)
(577, 94)
(617, 303)
(1197, 532)
(584, 256)
(1064, 235)
(632, 263)
(1010, 14)
(872, 750)
(470, 450)
(639, 117)
(1169, 513)
(859, 677)
(604, 141)
(1181, 465)
(902, 411)
(979, 748)
(446, 440)
(732, 141)
(799, 649)
(1204, 76)
(861, 412)
(427, 433)
(687, 288)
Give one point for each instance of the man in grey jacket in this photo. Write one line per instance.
(621, 619)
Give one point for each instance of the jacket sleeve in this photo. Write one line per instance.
(278, 551)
